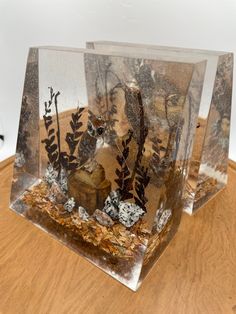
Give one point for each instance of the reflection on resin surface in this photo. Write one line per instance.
(102, 155)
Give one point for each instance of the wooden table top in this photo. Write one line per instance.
(196, 273)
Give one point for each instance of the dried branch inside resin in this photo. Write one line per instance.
(58, 158)
(73, 138)
(123, 179)
(51, 146)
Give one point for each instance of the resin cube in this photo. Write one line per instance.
(103, 152)
(210, 122)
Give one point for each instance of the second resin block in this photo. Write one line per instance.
(209, 123)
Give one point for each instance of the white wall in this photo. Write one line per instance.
(207, 24)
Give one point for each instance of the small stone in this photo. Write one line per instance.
(56, 194)
(115, 198)
(163, 220)
(52, 198)
(63, 180)
(110, 210)
(129, 213)
(69, 205)
(50, 174)
(83, 213)
(112, 204)
(103, 218)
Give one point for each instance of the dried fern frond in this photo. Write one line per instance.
(123, 173)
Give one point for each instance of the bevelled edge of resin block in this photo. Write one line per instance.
(207, 173)
(121, 160)
(121, 46)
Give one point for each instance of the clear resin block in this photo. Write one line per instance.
(209, 123)
(102, 152)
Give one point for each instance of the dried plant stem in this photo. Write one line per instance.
(143, 134)
(123, 174)
(58, 133)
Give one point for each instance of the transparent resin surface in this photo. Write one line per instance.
(102, 152)
(209, 123)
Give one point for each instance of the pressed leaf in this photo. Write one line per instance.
(123, 174)
(51, 131)
(73, 138)
(72, 166)
(118, 172)
(120, 159)
(52, 148)
(78, 134)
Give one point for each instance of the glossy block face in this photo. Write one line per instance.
(208, 123)
(102, 152)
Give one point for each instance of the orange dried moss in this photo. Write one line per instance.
(115, 240)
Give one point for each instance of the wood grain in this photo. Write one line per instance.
(196, 274)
